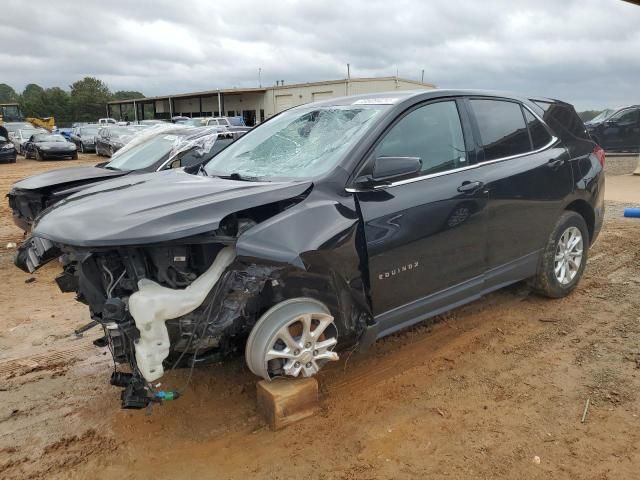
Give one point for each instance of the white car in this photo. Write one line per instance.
(20, 137)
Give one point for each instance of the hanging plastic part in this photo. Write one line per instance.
(152, 305)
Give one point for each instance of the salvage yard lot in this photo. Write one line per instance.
(478, 394)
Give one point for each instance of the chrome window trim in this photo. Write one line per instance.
(553, 140)
(448, 172)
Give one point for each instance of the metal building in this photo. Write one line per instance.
(253, 104)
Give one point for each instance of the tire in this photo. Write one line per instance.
(311, 351)
(38, 156)
(557, 285)
(82, 147)
(74, 156)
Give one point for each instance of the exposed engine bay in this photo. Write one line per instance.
(168, 306)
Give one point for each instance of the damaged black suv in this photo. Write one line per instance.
(331, 224)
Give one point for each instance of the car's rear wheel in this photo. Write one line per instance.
(294, 338)
(564, 257)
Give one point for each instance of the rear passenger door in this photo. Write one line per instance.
(528, 176)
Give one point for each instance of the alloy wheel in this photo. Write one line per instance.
(568, 256)
(295, 338)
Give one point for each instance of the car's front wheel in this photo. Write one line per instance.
(294, 338)
(81, 147)
(564, 257)
(38, 155)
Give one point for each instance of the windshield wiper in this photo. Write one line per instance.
(241, 178)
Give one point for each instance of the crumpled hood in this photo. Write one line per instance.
(64, 176)
(154, 207)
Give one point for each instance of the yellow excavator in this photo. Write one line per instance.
(10, 112)
(48, 123)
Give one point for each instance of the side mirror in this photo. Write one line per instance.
(387, 169)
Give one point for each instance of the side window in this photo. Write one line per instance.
(432, 133)
(190, 158)
(503, 132)
(539, 135)
(626, 117)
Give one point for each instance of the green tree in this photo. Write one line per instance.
(57, 102)
(7, 94)
(126, 95)
(588, 115)
(88, 100)
(32, 101)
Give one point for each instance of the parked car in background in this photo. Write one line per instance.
(161, 150)
(13, 127)
(152, 122)
(107, 121)
(233, 125)
(84, 137)
(65, 132)
(620, 130)
(332, 224)
(49, 146)
(111, 139)
(8, 152)
(21, 137)
(179, 119)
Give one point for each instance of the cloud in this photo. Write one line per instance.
(582, 51)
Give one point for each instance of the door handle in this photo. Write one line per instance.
(470, 187)
(555, 162)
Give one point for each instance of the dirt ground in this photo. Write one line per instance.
(495, 389)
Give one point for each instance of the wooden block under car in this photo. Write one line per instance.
(286, 401)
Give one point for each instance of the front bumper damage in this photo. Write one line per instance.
(181, 302)
(148, 326)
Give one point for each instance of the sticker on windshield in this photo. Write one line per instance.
(376, 101)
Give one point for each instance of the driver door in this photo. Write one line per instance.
(426, 236)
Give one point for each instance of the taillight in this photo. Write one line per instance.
(599, 153)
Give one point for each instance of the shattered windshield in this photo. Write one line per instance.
(144, 154)
(303, 142)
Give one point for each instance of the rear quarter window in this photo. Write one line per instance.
(563, 120)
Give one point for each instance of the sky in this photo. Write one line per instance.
(586, 52)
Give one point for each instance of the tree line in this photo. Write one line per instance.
(86, 100)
